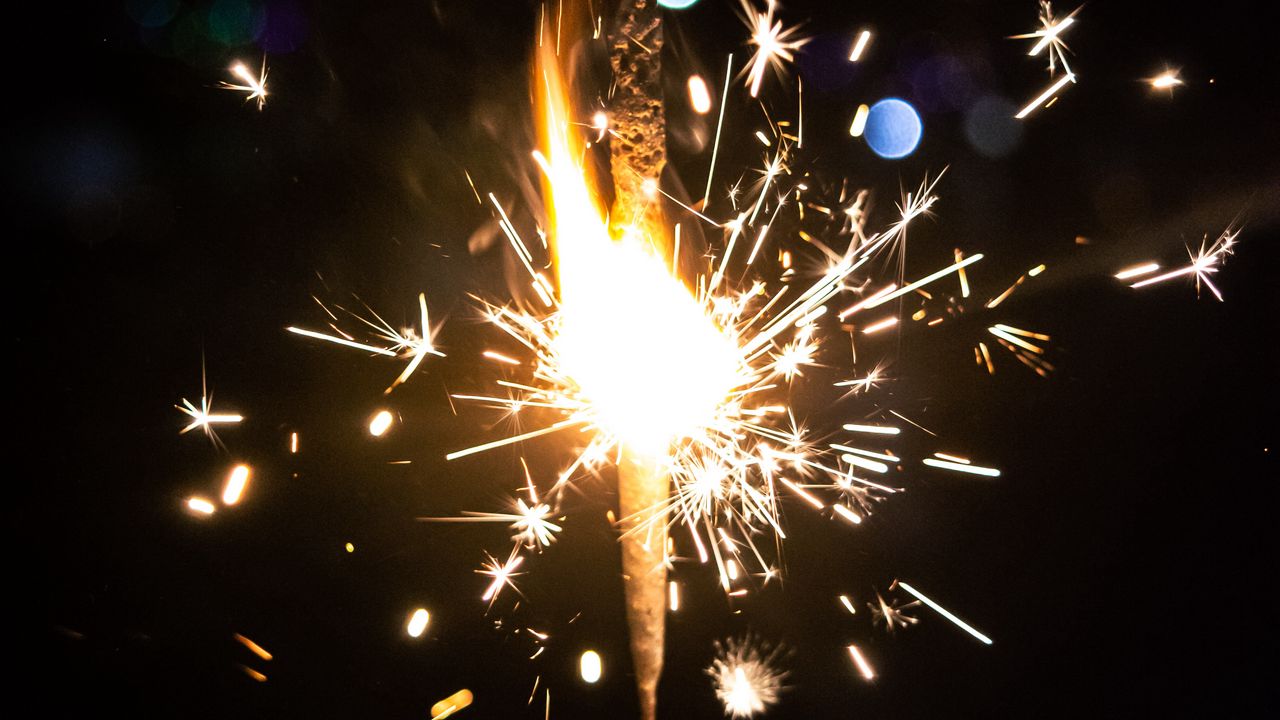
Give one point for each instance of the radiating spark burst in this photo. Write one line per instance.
(1049, 37)
(502, 574)
(746, 676)
(1204, 262)
(254, 88)
(404, 343)
(891, 614)
(203, 417)
(774, 42)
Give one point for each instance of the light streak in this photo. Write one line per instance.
(200, 505)
(341, 341)
(848, 604)
(417, 624)
(945, 613)
(1166, 80)
(253, 647)
(860, 45)
(952, 458)
(864, 667)
(589, 667)
(234, 487)
(253, 673)
(1204, 263)
(882, 299)
(875, 429)
(847, 514)
(293, 443)
(881, 325)
(673, 596)
(1137, 270)
(1044, 96)
(500, 357)
(961, 467)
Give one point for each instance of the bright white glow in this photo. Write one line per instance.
(962, 467)
(860, 45)
(293, 443)
(699, 96)
(589, 666)
(945, 613)
(848, 604)
(877, 429)
(865, 464)
(200, 505)
(418, 622)
(673, 592)
(627, 327)
(1049, 34)
(847, 514)
(1136, 270)
(380, 423)
(234, 487)
(1166, 80)
(877, 327)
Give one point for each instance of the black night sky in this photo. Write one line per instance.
(1121, 562)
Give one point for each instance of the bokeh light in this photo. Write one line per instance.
(676, 4)
(990, 127)
(893, 129)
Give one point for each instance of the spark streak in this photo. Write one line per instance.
(945, 613)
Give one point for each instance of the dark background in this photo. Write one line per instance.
(1122, 563)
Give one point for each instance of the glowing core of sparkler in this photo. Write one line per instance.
(645, 355)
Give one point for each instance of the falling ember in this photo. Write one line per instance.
(864, 667)
(945, 613)
(418, 622)
(200, 505)
(451, 704)
(590, 667)
(860, 46)
(253, 673)
(699, 96)
(380, 423)
(673, 596)
(293, 443)
(848, 604)
(253, 647)
(236, 482)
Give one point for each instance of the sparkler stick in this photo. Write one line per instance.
(642, 499)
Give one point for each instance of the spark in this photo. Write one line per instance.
(1137, 270)
(699, 97)
(746, 677)
(501, 574)
(451, 704)
(253, 673)
(673, 596)
(234, 487)
(882, 299)
(961, 467)
(945, 613)
(1044, 96)
(255, 88)
(864, 667)
(253, 647)
(848, 604)
(200, 505)
(774, 43)
(860, 46)
(891, 615)
(203, 417)
(406, 343)
(293, 443)
(417, 624)
(881, 325)
(380, 423)
(590, 667)
(1050, 36)
(1204, 262)
(859, 121)
(875, 429)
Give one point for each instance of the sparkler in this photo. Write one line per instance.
(680, 377)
